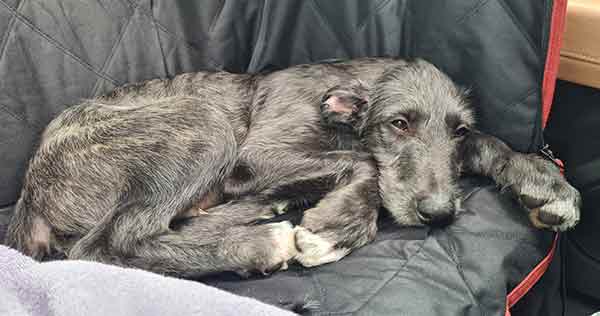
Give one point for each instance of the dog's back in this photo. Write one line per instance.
(95, 151)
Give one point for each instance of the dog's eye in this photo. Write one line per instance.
(461, 131)
(400, 124)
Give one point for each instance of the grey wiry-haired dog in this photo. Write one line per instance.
(174, 176)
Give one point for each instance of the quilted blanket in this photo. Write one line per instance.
(467, 268)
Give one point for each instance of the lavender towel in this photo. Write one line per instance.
(86, 288)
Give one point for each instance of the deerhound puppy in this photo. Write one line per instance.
(175, 175)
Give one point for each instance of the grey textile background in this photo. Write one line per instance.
(53, 53)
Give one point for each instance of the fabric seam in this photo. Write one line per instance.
(360, 27)
(472, 11)
(324, 21)
(260, 39)
(384, 283)
(331, 32)
(189, 44)
(516, 22)
(454, 257)
(56, 44)
(114, 49)
(160, 45)
(15, 116)
(215, 18)
(11, 26)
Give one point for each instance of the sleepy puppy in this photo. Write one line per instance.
(420, 128)
(175, 175)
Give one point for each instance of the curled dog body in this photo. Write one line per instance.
(174, 176)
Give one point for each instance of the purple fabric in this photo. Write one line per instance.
(86, 288)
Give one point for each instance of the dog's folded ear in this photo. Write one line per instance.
(345, 104)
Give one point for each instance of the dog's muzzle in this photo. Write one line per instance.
(437, 209)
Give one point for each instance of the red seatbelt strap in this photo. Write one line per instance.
(557, 24)
(531, 279)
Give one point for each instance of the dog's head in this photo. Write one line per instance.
(416, 120)
(412, 120)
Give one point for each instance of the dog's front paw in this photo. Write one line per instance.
(272, 256)
(283, 237)
(554, 205)
(539, 185)
(314, 250)
(558, 216)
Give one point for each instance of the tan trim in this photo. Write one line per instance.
(580, 53)
(579, 71)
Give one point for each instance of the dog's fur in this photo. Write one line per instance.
(174, 176)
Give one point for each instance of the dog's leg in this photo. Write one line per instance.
(537, 182)
(345, 218)
(343, 184)
(222, 240)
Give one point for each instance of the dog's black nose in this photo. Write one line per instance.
(435, 209)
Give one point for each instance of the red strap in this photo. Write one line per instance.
(531, 279)
(559, 10)
(561, 165)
